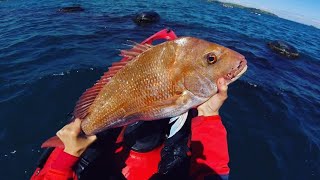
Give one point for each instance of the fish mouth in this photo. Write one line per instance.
(237, 72)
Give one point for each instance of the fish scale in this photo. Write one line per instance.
(119, 105)
(163, 81)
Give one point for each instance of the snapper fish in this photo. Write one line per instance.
(157, 82)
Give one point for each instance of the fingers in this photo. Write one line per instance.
(77, 122)
(91, 139)
(72, 129)
(222, 88)
(74, 142)
(76, 126)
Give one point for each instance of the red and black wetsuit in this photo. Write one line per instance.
(209, 156)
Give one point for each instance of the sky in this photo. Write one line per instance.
(303, 11)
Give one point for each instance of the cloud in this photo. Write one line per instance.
(281, 13)
(297, 17)
(317, 21)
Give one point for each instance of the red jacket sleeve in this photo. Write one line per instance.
(58, 167)
(209, 147)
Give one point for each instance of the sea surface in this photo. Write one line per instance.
(48, 59)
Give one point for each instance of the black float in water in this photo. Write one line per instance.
(71, 9)
(147, 17)
(284, 49)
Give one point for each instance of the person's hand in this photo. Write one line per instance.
(74, 143)
(212, 106)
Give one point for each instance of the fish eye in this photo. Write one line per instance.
(211, 58)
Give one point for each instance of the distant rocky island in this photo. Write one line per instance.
(232, 5)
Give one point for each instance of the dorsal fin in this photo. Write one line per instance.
(89, 95)
(87, 98)
(136, 50)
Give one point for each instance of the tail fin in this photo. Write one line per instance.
(53, 142)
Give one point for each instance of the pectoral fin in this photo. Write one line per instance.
(180, 120)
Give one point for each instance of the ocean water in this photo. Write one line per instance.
(47, 59)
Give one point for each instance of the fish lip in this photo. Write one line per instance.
(234, 74)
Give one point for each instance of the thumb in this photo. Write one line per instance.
(92, 138)
(77, 122)
(76, 125)
(222, 88)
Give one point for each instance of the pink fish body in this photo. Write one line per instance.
(156, 82)
(163, 81)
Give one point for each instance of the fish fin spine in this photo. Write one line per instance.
(88, 97)
(135, 51)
